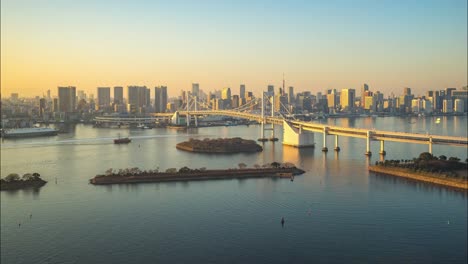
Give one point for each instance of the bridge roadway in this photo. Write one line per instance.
(376, 135)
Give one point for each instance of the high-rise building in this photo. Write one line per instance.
(118, 94)
(42, 107)
(448, 92)
(271, 89)
(160, 99)
(67, 99)
(195, 89)
(447, 106)
(226, 94)
(291, 95)
(459, 106)
(103, 97)
(347, 99)
(407, 91)
(242, 91)
(137, 100)
(364, 89)
(235, 101)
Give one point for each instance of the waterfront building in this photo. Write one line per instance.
(459, 106)
(447, 106)
(332, 102)
(407, 91)
(462, 95)
(118, 94)
(347, 99)
(364, 89)
(416, 105)
(428, 106)
(67, 99)
(137, 99)
(103, 97)
(160, 99)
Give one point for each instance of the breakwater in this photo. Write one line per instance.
(198, 175)
(406, 173)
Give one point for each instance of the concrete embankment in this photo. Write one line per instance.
(405, 173)
(199, 175)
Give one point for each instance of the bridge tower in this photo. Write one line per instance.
(264, 121)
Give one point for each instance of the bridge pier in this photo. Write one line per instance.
(430, 145)
(297, 137)
(382, 148)
(368, 138)
(337, 148)
(324, 148)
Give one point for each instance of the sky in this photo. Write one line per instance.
(318, 45)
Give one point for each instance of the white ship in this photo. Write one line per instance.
(29, 132)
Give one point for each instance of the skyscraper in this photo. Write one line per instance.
(67, 99)
(271, 89)
(195, 89)
(291, 95)
(118, 94)
(407, 91)
(226, 94)
(242, 91)
(160, 99)
(103, 97)
(364, 89)
(347, 99)
(137, 98)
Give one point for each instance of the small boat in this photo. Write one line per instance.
(122, 140)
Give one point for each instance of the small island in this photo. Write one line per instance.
(220, 145)
(135, 175)
(14, 182)
(427, 168)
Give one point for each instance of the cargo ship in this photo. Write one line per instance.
(29, 132)
(122, 140)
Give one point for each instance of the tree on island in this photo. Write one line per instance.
(443, 157)
(426, 156)
(242, 165)
(12, 177)
(275, 164)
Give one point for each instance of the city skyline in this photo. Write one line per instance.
(317, 46)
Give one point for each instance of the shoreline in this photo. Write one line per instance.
(404, 173)
(199, 175)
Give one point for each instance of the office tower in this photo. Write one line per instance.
(347, 99)
(447, 106)
(42, 106)
(364, 89)
(195, 89)
(226, 94)
(448, 92)
(407, 91)
(160, 99)
(235, 102)
(459, 106)
(118, 94)
(81, 95)
(291, 95)
(331, 100)
(271, 89)
(462, 95)
(242, 91)
(67, 99)
(48, 94)
(103, 97)
(137, 100)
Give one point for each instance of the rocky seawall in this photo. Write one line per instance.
(409, 174)
(199, 175)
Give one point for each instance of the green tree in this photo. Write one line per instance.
(443, 157)
(275, 164)
(242, 165)
(12, 177)
(28, 177)
(425, 156)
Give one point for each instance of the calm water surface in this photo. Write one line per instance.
(335, 213)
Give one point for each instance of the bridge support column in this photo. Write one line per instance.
(382, 148)
(195, 116)
(337, 148)
(368, 152)
(430, 145)
(325, 131)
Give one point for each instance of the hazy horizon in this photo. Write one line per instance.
(317, 45)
